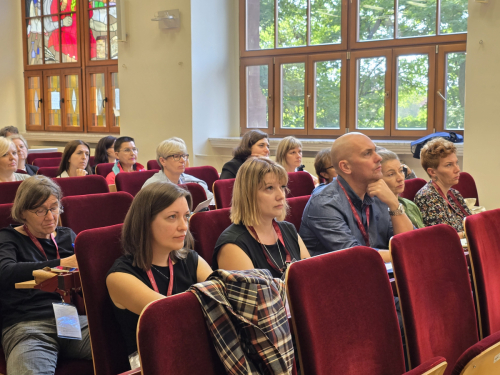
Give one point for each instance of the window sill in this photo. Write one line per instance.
(400, 147)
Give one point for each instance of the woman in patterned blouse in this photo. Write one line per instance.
(438, 202)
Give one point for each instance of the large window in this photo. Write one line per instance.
(326, 67)
(71, 66)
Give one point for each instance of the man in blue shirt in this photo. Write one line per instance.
(357, 208)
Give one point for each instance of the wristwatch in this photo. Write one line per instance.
(399, 211)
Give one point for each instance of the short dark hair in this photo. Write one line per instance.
(250, 138)
(101, 150)
(136, 233)
(8, 129)
(120, 141)
(68, 151)
(322, 161)
(32, 193)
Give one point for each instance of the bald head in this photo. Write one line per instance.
(347, 145)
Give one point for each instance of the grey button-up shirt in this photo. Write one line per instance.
(328, 223)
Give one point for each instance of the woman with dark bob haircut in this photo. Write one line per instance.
(75, 160)
(255, 143)
(29, 333)
(158, 261)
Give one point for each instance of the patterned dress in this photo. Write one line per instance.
(435, 210)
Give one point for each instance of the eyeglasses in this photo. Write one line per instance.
(178, 157)
(130, 150)
(326, 169)
(42, 212)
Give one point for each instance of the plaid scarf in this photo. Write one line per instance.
(246, 317)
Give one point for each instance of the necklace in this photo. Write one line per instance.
(161, 273)
(279, 252)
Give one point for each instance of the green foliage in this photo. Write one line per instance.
(326, 19)
(455, 91)
(371, 93)
(293, 85)
(328, 75)
(416, 18)
(376, 19)
(454, 15)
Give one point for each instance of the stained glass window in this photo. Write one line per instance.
(97, 100)
(103, 25)
(34, 101)
(72, 100)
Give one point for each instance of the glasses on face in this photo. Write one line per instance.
(326, 169)
(130, 150)
(42, 212)
(178, 157)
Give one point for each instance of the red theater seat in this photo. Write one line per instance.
(412, 186)
(48, 171)
(47, 162)
(206, 228)
(197, 193)
(179, 344)
(132, 182)
(112, 209)
(5, 218)
(223, 192)
(349, 324)
(96, 250)
(467, 187)
(83, 185)
(299, 184)
(297, 206)
(42, 155)
(483, 237)
(103, 169)
(8, 191)
(152, 165)
(205, 173)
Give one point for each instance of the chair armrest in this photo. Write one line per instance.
(136, 371)
(434, 366)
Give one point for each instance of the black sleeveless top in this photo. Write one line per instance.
(184, 277)
(241, 237)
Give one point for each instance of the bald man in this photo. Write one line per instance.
(357, 208)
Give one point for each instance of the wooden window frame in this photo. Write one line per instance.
(27, 75)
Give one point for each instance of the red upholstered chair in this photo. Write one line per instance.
(206, 173)
(96, 251)
(92, 161)
(197, 193)
(297, 206)
(173, 338)
(22, 171)
(206, 227)
(153, 164)
(83, 185)
(467, 187)
(112, 209)
(103, 169)
(348, 325)
(299, 184)
(483, 237)
(47, 162)
(8, 191)
(42, 155)
(223, 192)
(132, 182)
(5, 218)
(412, 186)
(48, 171)
(435, 296)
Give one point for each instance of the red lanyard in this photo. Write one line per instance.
(361, 227)
(280, 237)
(38, 245)
(170, 282)
(436, 186)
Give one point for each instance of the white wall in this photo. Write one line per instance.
(482, 91)
(11, 66)
(215, 77)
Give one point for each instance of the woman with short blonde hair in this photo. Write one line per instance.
(289, 156)
(9, 162)
(258, 238)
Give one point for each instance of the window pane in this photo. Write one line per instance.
(327, 94)
(54, 100)
(455, 91)
(33, 9)
(257, 94)
(292, 95)
(98, 34)
(69, 38)
(416, 18)
(370, 101)
(72, 100)
(34, 40)
(376, 19)
(97, 100)
(260, 24)
(51, 7)
(412, 85)
(97, 4)
(115, 89)
(34, 96)
(454, 15)
(326, 19)
(292, 23)
(113, 25)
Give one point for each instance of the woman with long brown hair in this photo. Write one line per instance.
(75, 160)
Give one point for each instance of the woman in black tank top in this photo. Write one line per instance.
(158, 261)
(258, 238)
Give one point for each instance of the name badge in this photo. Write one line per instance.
(67, 321)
